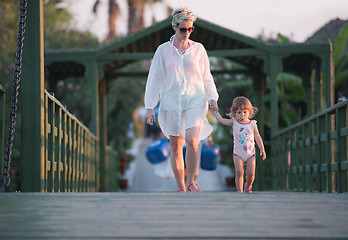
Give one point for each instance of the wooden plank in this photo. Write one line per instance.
(208, 215)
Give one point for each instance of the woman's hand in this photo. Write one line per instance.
(213, 105)
(150, 118)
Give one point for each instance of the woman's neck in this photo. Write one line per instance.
(181, 44)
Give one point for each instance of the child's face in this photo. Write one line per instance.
(242, 115)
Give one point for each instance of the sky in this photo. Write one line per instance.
(297, 19)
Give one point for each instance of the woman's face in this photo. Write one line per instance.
(184, 30)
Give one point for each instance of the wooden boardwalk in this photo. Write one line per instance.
(163, 215)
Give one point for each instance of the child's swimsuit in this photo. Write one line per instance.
(244, 143)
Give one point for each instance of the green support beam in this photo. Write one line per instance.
(103, 134)
(92, 75)
(32, 98)
(272, 67)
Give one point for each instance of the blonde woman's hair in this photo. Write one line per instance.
(182, 15)
(242, 103)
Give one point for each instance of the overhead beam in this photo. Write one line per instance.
(77, 55)
(214, 53)
(91, 54)
(145, 73)
(301, 48)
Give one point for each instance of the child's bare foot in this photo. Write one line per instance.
(248, 190)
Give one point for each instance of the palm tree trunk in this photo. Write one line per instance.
(136, 15)
(113, 11)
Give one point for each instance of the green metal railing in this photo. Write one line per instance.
(312, 154)
(111, 173)
(72, 153)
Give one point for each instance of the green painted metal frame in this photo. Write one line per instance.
(312, 154)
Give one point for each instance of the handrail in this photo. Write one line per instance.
(72, 152)
(112, 174)
(311, 155)
(310, 118)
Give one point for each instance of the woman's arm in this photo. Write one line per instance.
(224, 121)
(259, 142)
(155, 81)
(209, 84)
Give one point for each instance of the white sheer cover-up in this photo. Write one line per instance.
(182, 84)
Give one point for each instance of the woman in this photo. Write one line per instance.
(180, 80)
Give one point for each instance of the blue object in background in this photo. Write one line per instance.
(210, 157)
(158, 151)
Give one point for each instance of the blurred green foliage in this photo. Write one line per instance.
(341, 63)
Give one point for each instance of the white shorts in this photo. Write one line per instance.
(175, 123)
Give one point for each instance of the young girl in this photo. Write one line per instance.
(245, 133)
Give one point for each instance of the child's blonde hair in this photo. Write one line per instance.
(242, 103)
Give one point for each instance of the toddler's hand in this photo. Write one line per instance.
(263, 154)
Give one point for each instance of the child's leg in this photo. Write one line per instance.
(250, 171)
(239, 172)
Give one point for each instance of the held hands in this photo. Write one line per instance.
(213, 105)
(150, 118)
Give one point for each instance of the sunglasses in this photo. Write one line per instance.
(183, 30)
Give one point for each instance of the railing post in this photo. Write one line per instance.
(341, 153)
(328, 152)
(103, 135)
(322, 151)
(2, 127)
(273, 69)
(32, 100)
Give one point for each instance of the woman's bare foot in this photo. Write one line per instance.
(193, 188)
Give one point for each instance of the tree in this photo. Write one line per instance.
(113, 11)
(136, 18)
(341, 63)
(136, 15)
(136, 12)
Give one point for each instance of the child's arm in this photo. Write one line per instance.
(224, 121)
(259, 142)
